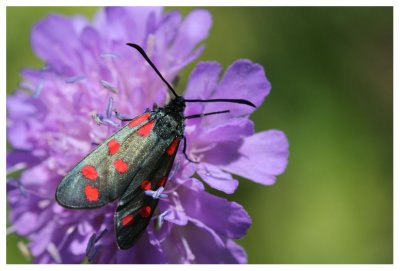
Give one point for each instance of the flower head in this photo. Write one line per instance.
(53, 120)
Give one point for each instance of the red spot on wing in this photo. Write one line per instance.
(120, 166)
(91, 193)
(139, 120)
(162, 181)
(89, 172)
(146, 129)
(146, 185)
(145, 211)
(172, 147)
(127, 220)
(113, 146)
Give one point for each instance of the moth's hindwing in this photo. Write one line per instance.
(105, 173)
(135, 208)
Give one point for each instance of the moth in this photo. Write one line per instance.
(132, 165)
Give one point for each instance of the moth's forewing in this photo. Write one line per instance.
(105, 173)
(135, 209)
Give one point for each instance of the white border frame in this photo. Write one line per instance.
(308, 267)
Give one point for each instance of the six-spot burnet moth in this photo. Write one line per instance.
(132, 165)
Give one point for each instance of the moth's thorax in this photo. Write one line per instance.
(170, 119)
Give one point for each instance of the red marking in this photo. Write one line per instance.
(91, 193)
(120, 166)
(89, 172)
(171, 149)
(146, 129)
(139, 120)
(145, 211)
(162, 181)
(146, 185)
(127, 220)
(113, 146)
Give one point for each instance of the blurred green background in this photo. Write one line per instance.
(331, 71)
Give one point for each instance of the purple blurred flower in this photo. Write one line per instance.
(50, 129)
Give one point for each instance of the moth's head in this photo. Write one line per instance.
(177, 104)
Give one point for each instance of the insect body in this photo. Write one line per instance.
(131, 165)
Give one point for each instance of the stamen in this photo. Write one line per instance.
(172, 190)
(205, 148)
(110, 122)
(10, 230)
(189, 254)
(69, 231)
(26, 86)
(44, 203)
(109, 55)
(174, 170)
(98, 118)
(156, 194)
(109, 108)
(24, 250)
(15, 168)
(17, 184)
(54, 253)
(45, 68)
(74, 79)
(108, 86)
(38, 90)
(161, 218)
(214, 174)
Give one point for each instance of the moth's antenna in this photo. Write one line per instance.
(238, 101)
(143, 53)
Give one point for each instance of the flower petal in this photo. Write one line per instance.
(193, 29)
(167, 30)
(228, 219)
(24, 158)
(243, 80)
(203, 80)
(199, 244)
(62, 54)
(142, 253)
(232, 130)
(126, 24)
(217, 178)
(264, 155)
(19, 136)
(237, 252)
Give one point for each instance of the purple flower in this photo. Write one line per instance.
(53, 120)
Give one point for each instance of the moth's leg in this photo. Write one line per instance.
(92, 249)
(122, 117)
(125, 118)
(184, 151)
